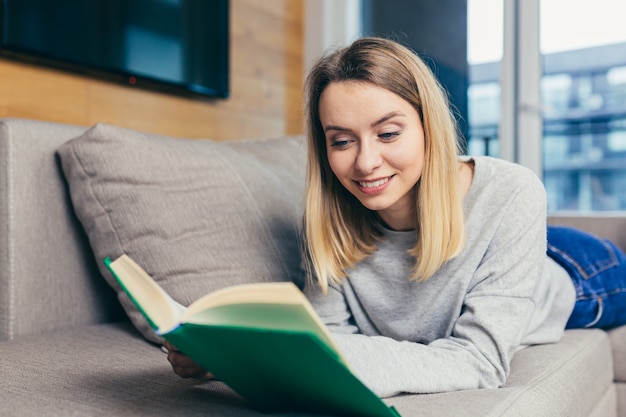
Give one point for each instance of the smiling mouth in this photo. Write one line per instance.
(373, 184)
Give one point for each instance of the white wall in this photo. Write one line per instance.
(329, 24)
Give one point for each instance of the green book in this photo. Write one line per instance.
(263, 340)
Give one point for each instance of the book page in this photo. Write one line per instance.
(261, 292)
(246, 303)
(161, 311)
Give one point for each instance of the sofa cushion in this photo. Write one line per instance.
(107, 370)
(198, 215)
(618, 344)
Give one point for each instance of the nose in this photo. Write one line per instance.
(368, 158)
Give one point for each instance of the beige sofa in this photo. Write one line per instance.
(67, 348)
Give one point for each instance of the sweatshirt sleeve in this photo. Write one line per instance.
(495, 314)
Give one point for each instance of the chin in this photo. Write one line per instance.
(374, 206)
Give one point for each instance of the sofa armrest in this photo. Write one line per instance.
(48, 279)
(609, 225)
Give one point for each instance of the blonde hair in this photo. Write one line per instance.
(339, 230)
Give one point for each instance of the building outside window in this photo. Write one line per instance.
(583, 98)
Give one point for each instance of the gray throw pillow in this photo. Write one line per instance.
(197, 215)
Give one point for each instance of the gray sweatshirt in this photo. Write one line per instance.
(460, 328)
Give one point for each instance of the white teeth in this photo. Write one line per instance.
(373, 183)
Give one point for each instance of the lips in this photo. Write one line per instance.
(373, 186)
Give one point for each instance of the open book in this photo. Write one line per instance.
(263, 340)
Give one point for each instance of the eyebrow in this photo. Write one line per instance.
(374, 124)
(387, 117)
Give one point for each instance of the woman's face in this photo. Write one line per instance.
(375, 147)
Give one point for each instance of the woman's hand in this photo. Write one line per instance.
(183, 365)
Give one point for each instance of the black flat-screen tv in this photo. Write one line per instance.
(176, 46)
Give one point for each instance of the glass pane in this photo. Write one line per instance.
(583, 91)
(484, 53)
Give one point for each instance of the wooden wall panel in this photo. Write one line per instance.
(266, 77)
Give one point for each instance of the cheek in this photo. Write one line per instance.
(408, 158)
(340, 163)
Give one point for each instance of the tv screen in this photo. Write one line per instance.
(180, 46)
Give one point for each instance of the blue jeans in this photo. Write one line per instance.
(597, 268)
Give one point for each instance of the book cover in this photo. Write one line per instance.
(264, 340)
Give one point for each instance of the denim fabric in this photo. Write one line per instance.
(597, 268)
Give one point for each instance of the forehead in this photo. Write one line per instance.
(344, 90)
(356, 100)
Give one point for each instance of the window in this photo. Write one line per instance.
(584, 145)
(582, 96)
(484, 52)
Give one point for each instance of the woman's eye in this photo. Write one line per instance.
(340, 143)
(388, 135)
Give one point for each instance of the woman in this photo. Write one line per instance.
(429, 268)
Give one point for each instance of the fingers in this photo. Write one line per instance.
(184, 366)
(168, 346)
